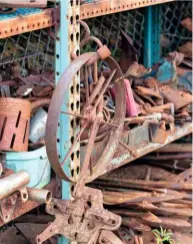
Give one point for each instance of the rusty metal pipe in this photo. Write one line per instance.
(13, 183)
(23, 3)
(141, 119)
(154, 184)
(169, 157)
(39, 195)
(176, 147)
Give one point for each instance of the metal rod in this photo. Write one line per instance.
(13, 183)
(169, 157)
(154, 184)
(176, 147)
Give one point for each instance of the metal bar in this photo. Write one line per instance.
(176, 147)
(148, 37)
(62, 62)
(99, 8)
(123, 156)
(152, 51)
(67, 41)
(36, 19)
(22, 22)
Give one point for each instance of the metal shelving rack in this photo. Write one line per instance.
(67, 39)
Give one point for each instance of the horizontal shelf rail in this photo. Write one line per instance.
(104, 7)
(25, 20)
(124, 156)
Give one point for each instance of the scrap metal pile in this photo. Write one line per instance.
(114, 101)
(148, 197)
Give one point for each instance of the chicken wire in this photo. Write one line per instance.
(173, 33)
(108, 29)
(25, 53)
(35, 50)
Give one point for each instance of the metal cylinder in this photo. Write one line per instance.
(13, 183)
(39, 195)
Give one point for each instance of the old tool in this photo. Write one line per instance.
(80, 220)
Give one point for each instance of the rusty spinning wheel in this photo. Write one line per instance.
(95, 122)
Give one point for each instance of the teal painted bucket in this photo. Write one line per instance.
(35, 163)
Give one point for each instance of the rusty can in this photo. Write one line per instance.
(14, 124)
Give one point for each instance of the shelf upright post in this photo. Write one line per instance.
(67, 41)
(152, 38)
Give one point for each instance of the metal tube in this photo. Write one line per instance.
(13, 183)
(39, 195)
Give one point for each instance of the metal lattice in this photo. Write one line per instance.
(108, 29)
(25, 53)
(173, 32)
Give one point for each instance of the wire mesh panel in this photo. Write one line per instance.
(108, 29)
(21, 55)
(173, 32)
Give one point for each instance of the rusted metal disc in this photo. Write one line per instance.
(54, 112)
(14, 124)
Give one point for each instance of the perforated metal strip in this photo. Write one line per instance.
(29, 19)
(24, 21)
(99, 8)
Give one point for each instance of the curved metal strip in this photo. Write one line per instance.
(54, 113)
(115, 135)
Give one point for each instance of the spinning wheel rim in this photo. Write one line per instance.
(55, 111)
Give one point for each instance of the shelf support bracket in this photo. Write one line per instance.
(67, 41)
(152, 35)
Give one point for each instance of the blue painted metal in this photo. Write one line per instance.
(166, 71)
(35, 163)
(62, 61)
(152, 48)
(20, 12)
